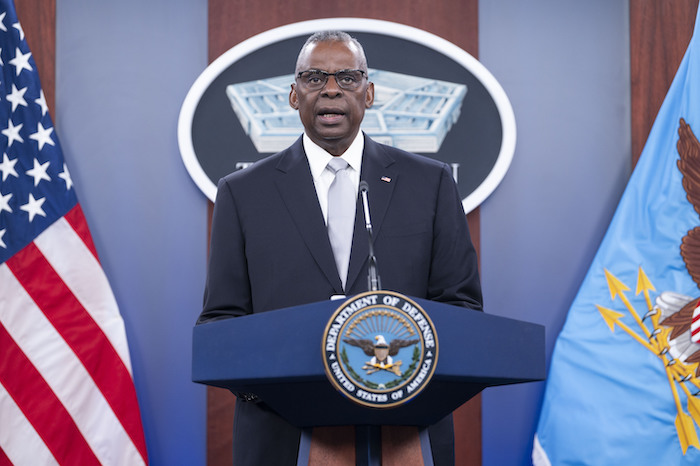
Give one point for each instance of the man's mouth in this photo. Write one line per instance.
(331, 117)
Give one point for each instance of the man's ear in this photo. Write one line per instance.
(293, 99)
(369, 95)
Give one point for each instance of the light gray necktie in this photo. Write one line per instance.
(341, 215)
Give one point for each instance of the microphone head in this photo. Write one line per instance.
(364, 187)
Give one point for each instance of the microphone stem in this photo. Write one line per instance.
(373, 281)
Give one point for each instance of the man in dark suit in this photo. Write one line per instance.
(270, 246)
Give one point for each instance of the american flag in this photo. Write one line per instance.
(66, 389)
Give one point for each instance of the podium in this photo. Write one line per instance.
(277, 355)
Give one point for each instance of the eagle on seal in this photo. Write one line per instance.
(371, 349)
(381, 352)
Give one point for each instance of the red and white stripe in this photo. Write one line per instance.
(66, 388)
(695, 325)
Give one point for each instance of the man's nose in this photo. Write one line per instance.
(331, 87)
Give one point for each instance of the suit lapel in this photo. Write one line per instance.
(296, 187)
(380, 173)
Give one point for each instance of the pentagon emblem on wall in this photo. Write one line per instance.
(431, 98)
(380, 349)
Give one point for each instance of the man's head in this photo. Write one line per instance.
(331, 105)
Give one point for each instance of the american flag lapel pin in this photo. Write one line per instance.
(386, 179)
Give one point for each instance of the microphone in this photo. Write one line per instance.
(374, 283)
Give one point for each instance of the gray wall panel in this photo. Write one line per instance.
(565, 67)
(123, 69)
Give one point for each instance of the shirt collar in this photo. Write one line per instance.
(319, 158)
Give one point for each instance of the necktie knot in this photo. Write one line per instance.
(337, 164)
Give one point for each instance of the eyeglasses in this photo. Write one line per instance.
(314, 80)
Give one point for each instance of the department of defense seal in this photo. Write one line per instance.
(380, 349)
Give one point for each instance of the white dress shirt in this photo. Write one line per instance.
(318, 160)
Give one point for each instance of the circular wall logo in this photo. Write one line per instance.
(380, 349)
(431, 98)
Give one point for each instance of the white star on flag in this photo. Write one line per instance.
(2, 243)
(33, 207)
(16, 97)
(12, 132)
(41, 101)
(21, 61)
(42, 136)
(39, 172)
(5, 202)
(19, 28)
(7, 167)
(65, 176)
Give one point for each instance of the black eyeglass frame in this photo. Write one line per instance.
(326, 75)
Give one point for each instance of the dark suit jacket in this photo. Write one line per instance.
(270, 248)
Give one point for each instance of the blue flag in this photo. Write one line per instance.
(624, 374)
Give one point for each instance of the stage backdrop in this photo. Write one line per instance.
(123, 69)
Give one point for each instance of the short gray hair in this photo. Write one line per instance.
(333, 36)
